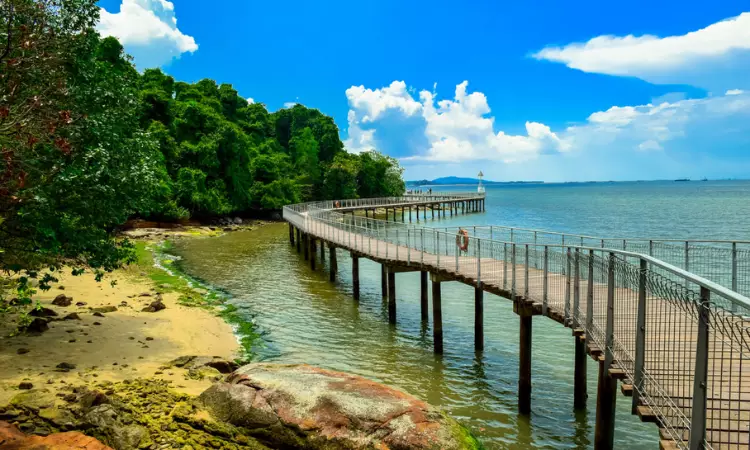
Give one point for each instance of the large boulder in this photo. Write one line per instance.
(305, 407)
(11, 438)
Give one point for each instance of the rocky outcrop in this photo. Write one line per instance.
(304, 407)
(11, 438)
(62, 300)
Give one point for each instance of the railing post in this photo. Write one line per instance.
(567, 287)
(640, 337)
(651, 248)
(526, 274)
(576, 289)
(700, 378)
(513, 272)
(408, 248)
(397, 243)
(734, 272)
(505, 265)
(385, 225)
(610, 330)
(457, 250)
(590, 295)
(545, 287)
(687, 256)
(422, 250)
(437, 247)
(479, 263)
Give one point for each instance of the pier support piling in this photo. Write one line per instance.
(423, 298)
(384, 281)
(355, 277)
(524, 366)
(437, 317)
(299, 240)
(579, 384)
(313, 252)
(291, 234)
(391, 297)
(479, 318)
(333, 262)
(604, 430)
(306, 246)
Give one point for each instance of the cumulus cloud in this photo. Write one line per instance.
(250, 100)
(649, 138)
(448, 130)
(148, 31)
(716, 57)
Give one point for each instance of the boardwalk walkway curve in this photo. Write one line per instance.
(678, 341)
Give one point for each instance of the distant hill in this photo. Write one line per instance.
(460, 180)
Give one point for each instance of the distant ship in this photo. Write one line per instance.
(683, 179)
(705, 179)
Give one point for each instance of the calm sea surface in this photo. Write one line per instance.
(303, 318)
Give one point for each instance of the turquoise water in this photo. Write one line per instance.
(304, 318)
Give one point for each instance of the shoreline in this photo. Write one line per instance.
(108, 337)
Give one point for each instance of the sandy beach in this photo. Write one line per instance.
(113, 346)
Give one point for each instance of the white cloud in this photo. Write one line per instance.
(250, 100)
(372, 103)
(288, 105)
(148, 31)
(453, 130)
(664, 139)
(734, 92)
(713, 57)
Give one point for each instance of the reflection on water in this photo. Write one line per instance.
(305, 318)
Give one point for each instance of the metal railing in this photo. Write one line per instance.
(681, 339)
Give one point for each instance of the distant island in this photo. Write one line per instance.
(463, 180)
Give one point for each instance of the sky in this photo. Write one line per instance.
(534, 90)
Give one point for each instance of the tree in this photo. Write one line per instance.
(379, 176)
(76, 162)
(341, 178)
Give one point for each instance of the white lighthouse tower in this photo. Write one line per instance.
(480, 188)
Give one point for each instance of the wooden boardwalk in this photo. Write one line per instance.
(566, 295)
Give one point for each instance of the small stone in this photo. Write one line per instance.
(89, 342)
(104, 309)
(145, 294)
(37, 325)
(79, 304)
(114, 363)
(97, 323)
(70, 331)
(149, 339)
(62, 300)
(98, 314)
(25, 385)
(43, 312)
(65, 367)
(22, 351)
(72, 340)
(131, 338)
(123, 303)
(72, 316)
(70, 398)
(156, 305)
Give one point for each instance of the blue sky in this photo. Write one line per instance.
(555, 91)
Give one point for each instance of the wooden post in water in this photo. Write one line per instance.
(355, 277)
(423, 297)
(333, 263)
(291, 234)
(313, 252)
(437, 316)
(322, 253)
(402, 214)
(410, 213)
(579, 384)
(299, 240)
(391, 296)
(432, 209)
(524, 366)
(384, 281)
(306, 245)
(479, 318)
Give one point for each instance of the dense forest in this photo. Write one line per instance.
(87, 142)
